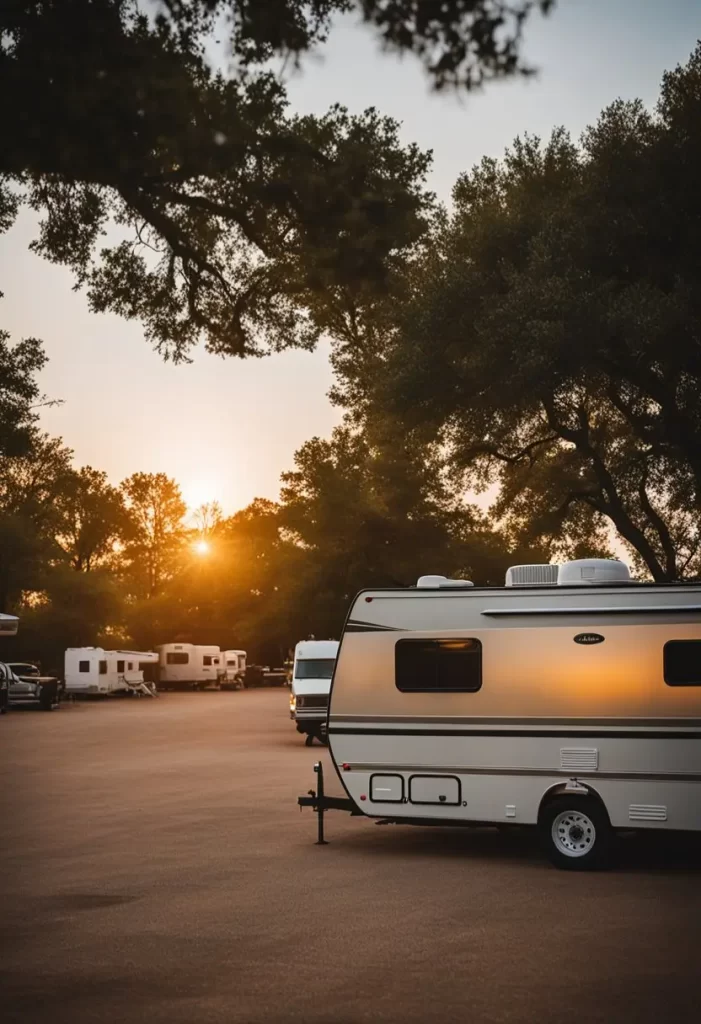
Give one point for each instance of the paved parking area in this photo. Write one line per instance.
(155, 867)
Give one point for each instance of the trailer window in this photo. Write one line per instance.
(682, 663)
(177, 658)
(83, 666)
(438, 666)
(103, 668)
(120, 666)
(207, 660)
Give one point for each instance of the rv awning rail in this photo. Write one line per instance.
(650, 609)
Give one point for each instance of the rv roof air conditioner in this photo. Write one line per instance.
(591, 571)
(531, 575)
(441, 582)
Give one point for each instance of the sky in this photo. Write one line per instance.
(225, 428)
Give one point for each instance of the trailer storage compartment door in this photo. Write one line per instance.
(388, 789)
(434, 789)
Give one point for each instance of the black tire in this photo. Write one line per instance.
(309, 740)
(46, 702)
(576, 833)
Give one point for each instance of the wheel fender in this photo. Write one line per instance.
(573, 787)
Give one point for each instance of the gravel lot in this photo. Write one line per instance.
(155, 867)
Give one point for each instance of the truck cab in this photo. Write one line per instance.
(29, 687)
(311, 684)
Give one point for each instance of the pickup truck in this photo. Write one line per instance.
(26, 685)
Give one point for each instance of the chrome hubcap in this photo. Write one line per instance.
(573, 833)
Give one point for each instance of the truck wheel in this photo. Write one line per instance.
(46, 702)
(309, 740)
(576, 833)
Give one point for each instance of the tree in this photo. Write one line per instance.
(552, 337)
(208, 519)
(156, 531)
(227, 219)
(460, 43)
(373, 508)
(93, 519)
(19, 392)
(30, 485)
(193, 201)
(74, 609)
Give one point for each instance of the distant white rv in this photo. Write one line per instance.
(311, 682)
(232, 673)
(95, 671)
(569, 699)
(188, 666)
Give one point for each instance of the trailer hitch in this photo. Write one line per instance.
(320, 803)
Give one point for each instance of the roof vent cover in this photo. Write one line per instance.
(441, 582)
(587, 572)
(531, 575)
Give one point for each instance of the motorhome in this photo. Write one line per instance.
(311, 680)
(95, 671)
(188, 666)
(232, 670)
(569, 699)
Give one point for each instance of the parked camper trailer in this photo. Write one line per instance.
(573, 705)
(232, 670)
(311, 681)
(93, 671)
(188, 666)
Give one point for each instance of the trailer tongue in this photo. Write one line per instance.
(320, 803)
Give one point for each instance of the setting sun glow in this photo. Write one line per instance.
(201, 547)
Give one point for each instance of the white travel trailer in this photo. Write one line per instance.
(569, 699)
(95, 671)
(232, 671)
(311, 681)
(188, 666)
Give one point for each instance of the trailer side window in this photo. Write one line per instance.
(103, 668)
(682, 663)
(438, 666)
(120, 666)
(177, 658)
(207, 660)
(83, 666)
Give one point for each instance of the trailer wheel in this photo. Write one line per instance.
(576, 833)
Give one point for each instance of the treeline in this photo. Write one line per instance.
(85, 562)
(539, 340)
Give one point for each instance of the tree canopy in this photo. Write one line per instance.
(190, 198)
(86, 562)
(19, 392)
(552, 335)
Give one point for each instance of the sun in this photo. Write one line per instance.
(201, 547)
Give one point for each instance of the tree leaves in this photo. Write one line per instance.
(553, 342)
